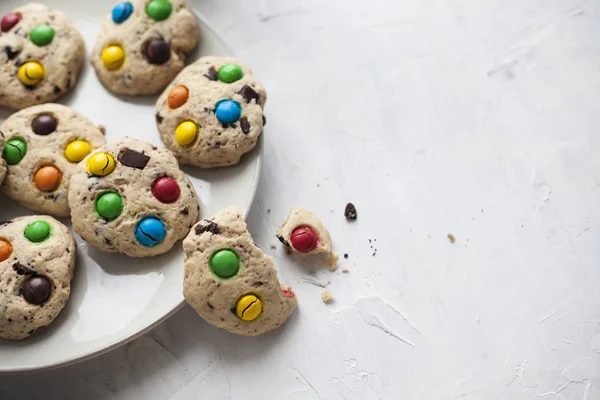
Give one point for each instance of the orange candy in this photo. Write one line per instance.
(5, 249)
(47, 178)
(178, 96)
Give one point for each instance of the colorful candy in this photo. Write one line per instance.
(31, 73)
(37, 290)
(113, 57)
(228, 111)
(158, 51)
(166, 190)
(77, 150)
(100, 164)
(186, 133)
(230, 73)
(109, 205)
(248, 307)
(304, 239)
(150, 232)
(178, 96)
(5, 249)
(14, 151)
(47, 178)
(224, 263)
(159, 10)
(44, 124)
(37, 231)
(9, 21)
(121, 12)
(42, 35)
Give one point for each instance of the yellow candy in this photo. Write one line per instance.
(100, 164)
(77, 150)
(113, 57)
(186, 133)
(248, 307)
(31, 73)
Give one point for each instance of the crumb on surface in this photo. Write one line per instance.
(345, 270)
(326, 297)
(345, 255)
(273, 246)
(451, 238)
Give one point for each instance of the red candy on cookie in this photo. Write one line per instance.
(9, 21)
(304, 239)
(166, 190)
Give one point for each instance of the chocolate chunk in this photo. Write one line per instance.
(107, 241)
(133, 159)
(248, 93)
(210, 306)
(56, 90)
(44, 124)
(159, 118)
(10, 53)
(212, 74)
(282, 240)
(264, 120)
(207, 226)
(185, 211)
(350, 212)
(157, 52)
(21, 269)
(37, 290)
(244, 125)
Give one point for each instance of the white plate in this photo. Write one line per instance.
(115, 298)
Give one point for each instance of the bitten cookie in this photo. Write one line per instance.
(303, 232)
(37, 260)
(43, 146)
(41, 53)
(212, 113)
(229, 281)
(143, 44)
(131, 197)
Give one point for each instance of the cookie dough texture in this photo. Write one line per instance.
(137, 76)
(3, 166)
(214, 298)
(53, 258)
(134, 185)
(45, 150)
(299, 217)
(61, 59)
(217, 144)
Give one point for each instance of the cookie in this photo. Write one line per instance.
(229, 281)
(131, 197)
(212, 113)
(37, 260)
(303, 232)
(43, 146)
(41, 53)
(143, 44)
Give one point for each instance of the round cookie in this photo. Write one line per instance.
(229, 281)
(143, 44)
(212, 112)
(43, 146)
(303, 232)
(37, 260)
(131, 197)
(40, 58)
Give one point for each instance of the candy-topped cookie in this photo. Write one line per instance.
(143, 44)
(131, 197)
(212, 112)
(37, 260)
(43, 145)
(303, 231)
(41, 53)
(229, 281)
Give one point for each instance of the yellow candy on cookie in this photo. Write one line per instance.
(100, 164)
(31, 73)
(248, 308)
(113, 57)
(186, 133)
(77, 150)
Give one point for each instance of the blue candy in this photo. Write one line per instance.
(121, 12)
(150, 232)
(228, 111)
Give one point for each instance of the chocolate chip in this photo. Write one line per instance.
(210, 306)
(56, 90)
(37, 290)
(244, 125)
(159, 118)
(157, 52)
(21, 269)
(282, 240)
(185, 211)
(10, 53)
(207, 226)
(264, 120)
(350, 212)
(133, 159)
(107, 241)
(248, 93)
(44, 124)
(212, 74)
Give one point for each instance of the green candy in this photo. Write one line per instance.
(14, 151)
(224, 263)
(109, 205)
(42, 35)
(230, 73)
(37, 231)
(159, 10)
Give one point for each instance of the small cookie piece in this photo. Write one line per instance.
(37, 260)
(131, 197)
(212, 113)
(303, 232)
(143, 44)
(41, 53)
(43, 146)
(229, 281)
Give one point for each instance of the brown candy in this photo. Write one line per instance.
(37, 290)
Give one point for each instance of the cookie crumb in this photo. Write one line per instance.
(273, 246)
(345, 270)
(350, 212)
(451, 238)
(326, 297)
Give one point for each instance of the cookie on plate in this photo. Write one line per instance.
(131, 197)
(229, 281)
(41, 53)
(143, 44)
(212, 113)
(43, 146)
(37, 260)
(303, 232)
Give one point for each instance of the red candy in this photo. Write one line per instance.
(166, 190)
(304, 239)
(9, 21)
